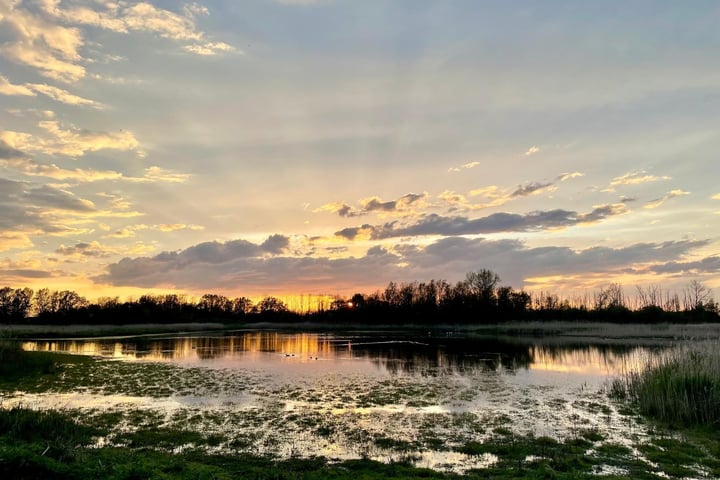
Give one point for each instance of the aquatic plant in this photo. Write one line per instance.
(682, 386)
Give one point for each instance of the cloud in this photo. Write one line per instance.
(9, 153)
(242, 267)
(36, 197)
(456, 201)
(172, 227)
(29, 210)
(14, 159)
(635, 178)
(249, 274)
(204, 256)
(7, 88)
(70, 141)
(20, 274)
(434, 224)
(715, 197)
(84, 249)
(31, 40)
(45, 41)
(491, 191)
(499, 196)
(31, 168)
(532, 151)
(57, 94)
(659, 201)
(531, 189)
(402, 205)
(341, 208)
(411, 203)
(464, 167)
(143, 16)
(567, 176)
(10, 240)
(275, 244)
(158, 174)
(209, 48)
(131, 230)
(60, 95)
(705, 265)
(300, 2)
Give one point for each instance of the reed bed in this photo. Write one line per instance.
(682, 386)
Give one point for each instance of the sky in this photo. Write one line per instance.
(267, 147)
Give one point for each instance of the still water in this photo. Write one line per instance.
(382, 395)
(389, 353)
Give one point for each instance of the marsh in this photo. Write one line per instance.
(426, 396)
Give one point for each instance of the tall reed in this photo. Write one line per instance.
(682, 386)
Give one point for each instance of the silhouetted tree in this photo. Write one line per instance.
(610, 297)
(15, 304)
(696, 296)
(271, 305)
(241, 306)
(358, 300)
(481, 285)
(215, 304)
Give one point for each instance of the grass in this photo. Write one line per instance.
(16, 363)
(682, 387)
(36, 444)
(21, 370)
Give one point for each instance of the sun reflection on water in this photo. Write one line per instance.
(396, 355)
(588, 360)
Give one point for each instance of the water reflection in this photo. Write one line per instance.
(394, 353)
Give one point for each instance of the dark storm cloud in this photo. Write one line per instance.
(435, 224)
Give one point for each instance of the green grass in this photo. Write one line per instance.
(27, 371)
(682, 387)
(49, 444)
(15, 363)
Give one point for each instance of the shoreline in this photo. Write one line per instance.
(560, 330)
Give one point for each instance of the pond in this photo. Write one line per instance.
(380, 395)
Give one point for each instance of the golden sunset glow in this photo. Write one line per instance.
(153, 148)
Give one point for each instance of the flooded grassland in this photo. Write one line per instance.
(448, 401)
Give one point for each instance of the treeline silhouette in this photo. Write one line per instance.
(477, 299)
